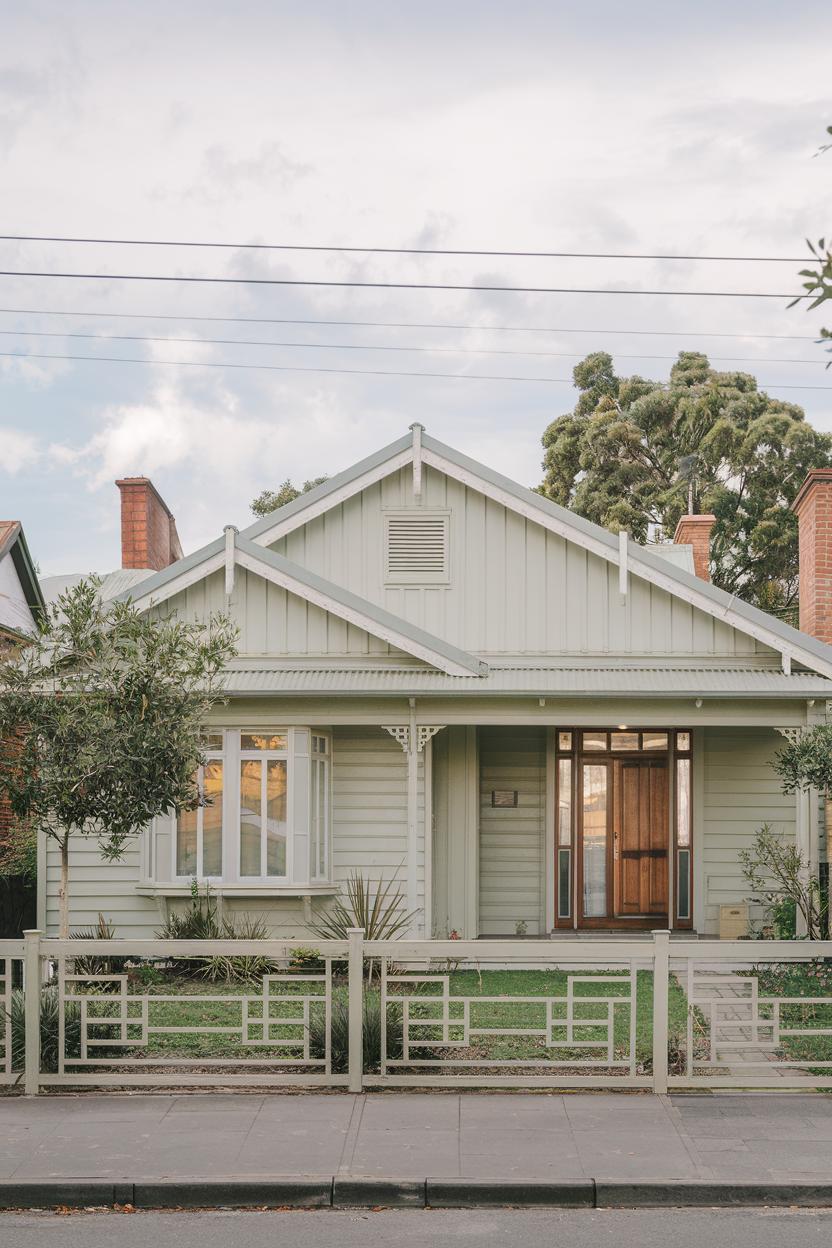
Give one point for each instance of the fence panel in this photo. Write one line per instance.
(11, 1001)
(511, 1014)
(759, 1014)
(633, 1013)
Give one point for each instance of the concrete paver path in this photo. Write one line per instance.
(486, 1136)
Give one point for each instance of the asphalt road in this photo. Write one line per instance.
(684, 1228)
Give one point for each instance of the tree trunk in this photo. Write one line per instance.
(63, 891)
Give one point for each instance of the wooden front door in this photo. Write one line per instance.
(640, 830)
(623, 826)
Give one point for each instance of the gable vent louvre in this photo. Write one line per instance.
(416, 549)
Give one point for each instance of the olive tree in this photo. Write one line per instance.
(101, 718)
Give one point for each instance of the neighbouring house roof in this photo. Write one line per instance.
(21, 599)
(323, 678)
(658, 567)
(112, 583)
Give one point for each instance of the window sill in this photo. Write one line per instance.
(241, 890)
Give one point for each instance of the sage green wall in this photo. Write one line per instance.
(514, 588)
(738, 791)
(512, 840)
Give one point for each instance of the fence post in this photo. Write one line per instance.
(661, 993)
(356, 1008)
(31, 1010)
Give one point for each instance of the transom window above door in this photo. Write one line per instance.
(617, 740)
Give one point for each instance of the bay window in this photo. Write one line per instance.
(266, 821)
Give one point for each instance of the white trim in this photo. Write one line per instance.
(417, 459)
(550, 851)
(623, 566)
(319, 599)
(230, 562)
(143, 601)
(287, 525)
(427, 781)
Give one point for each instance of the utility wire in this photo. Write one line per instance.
(360, 346)
(497, 329)
(393, 251)
(292, 368)
(291, 281)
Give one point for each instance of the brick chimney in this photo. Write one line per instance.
(695, 531)
(148, 529)
(813, 508)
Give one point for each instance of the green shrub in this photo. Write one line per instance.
(304, 959)
(340, 1031)
(376, 909)
(201, 922)
(95, 964)
(49, 1015)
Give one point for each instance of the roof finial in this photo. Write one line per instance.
(417, 430)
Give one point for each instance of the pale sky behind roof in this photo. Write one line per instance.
(597, 126)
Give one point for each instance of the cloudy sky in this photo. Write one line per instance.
(593, 126)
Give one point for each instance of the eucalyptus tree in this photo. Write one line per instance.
(637, 454)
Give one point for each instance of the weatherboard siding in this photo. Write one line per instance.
(272, 621)
(512, 857)
(369, 835)
(739, 792)
(514, 587)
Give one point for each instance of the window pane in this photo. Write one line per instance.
(654, 740)
(564, 740)
(564, 801)
(263, 741)
(186, 842)
(250, 817)
(624, 740)
(276, 817)
(595, 841)
(683, 801)
(564, 883)
(212, 741)
(683, 887)
(323, 819)
(212, 820)
(683, 741)
(594, 740)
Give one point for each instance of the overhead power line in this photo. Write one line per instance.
(496, 329)
(362, 346)
(395, 251)
(293, 368)
(292, 281)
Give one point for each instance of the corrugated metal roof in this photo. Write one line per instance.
(534, 681)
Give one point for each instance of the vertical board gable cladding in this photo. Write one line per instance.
(513, 587)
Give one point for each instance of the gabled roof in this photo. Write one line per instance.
(420, 449)
(314, 589)
(13, 544)
(660, 571)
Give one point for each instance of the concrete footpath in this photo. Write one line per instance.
(413, 1149)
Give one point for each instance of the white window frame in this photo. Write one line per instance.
(211, 756)
(320, 813)
(264, 757)
(304, 758)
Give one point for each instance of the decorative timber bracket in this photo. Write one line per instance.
(423, 733)
(791, 734)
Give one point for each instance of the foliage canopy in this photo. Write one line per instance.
(104, 710)
(634, 453)
(270, 500)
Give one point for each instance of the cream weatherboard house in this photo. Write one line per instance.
(536, 726)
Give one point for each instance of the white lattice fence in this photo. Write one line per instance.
(654, 1013)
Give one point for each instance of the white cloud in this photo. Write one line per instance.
(17, 450)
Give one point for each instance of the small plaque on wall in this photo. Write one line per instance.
(503, 797)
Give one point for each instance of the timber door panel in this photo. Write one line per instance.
(640, 824)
